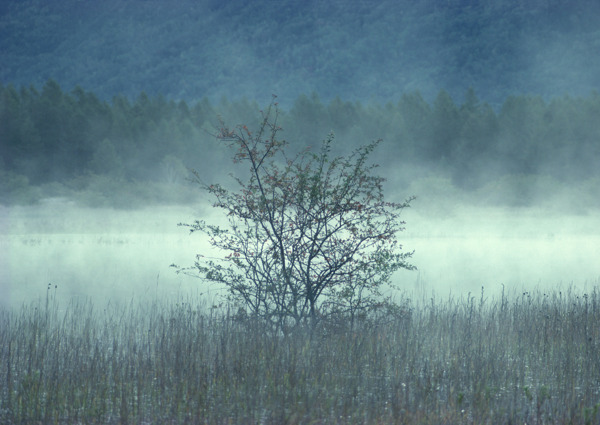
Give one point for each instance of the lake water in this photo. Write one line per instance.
(122, 255)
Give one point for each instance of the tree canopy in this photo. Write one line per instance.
(307, 236)
(65, 141)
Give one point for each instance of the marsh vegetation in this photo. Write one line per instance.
(531, 357)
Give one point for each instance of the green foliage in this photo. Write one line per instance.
(16, 189)
(308, 236)
(106, 159)
(61, 137)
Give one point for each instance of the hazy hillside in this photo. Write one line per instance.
(360, 50)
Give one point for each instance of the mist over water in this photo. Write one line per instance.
(120, 255)
(104, 254)
(497, 248)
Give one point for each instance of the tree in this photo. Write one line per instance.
(445, 128)
(308, 237)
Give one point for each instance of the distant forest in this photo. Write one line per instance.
(111, 101)
(57, 143)
(356, 49)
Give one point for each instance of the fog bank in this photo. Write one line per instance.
(121, 255)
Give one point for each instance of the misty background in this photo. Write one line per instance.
(358, 50)
(488, 111)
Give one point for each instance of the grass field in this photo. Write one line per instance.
(525, 358)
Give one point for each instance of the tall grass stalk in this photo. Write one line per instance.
(528, 358)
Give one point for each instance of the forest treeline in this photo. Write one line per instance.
(54, 142)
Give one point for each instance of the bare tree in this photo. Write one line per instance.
(308, 236)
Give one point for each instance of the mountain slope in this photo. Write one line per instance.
(356, 49)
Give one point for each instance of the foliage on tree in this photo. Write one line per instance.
(308, 236)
